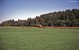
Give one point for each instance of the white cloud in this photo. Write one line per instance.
(73, 1)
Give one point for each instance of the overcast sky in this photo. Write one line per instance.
(23, 9)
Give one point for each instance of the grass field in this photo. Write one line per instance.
(38, 39)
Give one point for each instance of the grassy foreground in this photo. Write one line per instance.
(38, 39)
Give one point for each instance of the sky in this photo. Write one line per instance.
(23, 9)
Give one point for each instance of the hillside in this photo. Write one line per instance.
(67, 18)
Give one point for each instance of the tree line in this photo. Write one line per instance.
(66, 18)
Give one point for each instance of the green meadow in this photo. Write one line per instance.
(14, 38)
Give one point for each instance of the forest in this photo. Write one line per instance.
(65, 18)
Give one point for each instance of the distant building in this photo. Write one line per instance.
(39, 25)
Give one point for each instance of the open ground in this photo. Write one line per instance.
(26, 38)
